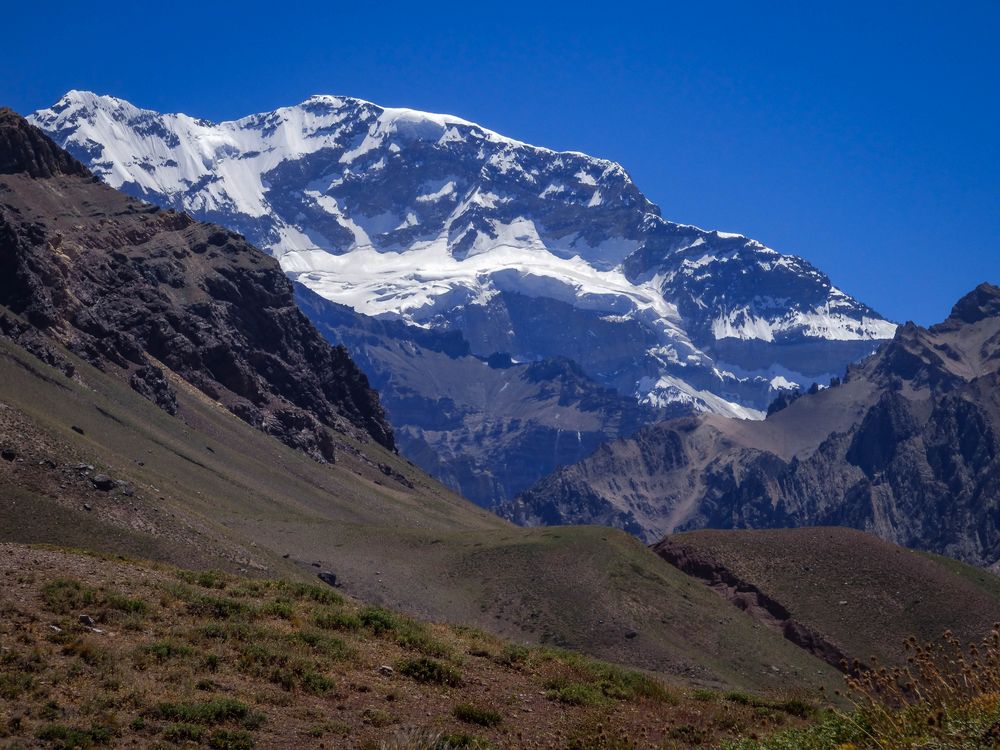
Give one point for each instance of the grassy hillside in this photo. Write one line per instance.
(104, 652)
(862, 594)
(211, 492)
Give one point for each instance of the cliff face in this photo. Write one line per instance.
(147, 293)
(907, 447)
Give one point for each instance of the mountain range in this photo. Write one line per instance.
(526, 255)
(167, 399)
(906, 447)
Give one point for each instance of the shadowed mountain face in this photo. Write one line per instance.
(487, 427)
(141, 291)
(906, 447)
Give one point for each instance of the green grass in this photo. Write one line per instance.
(65, 595)
(220, 608)
(62, 737)
(427, 670)
(332, 620)
(12, 686)
(573, 693)
(163, 651)
(212, 712)
(484, 717)
(229, 739)
(313, 593)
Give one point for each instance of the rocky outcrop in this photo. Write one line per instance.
(748, 597)
(137, 290)
(906, 447)
(29, 151)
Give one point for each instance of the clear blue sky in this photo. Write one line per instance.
(862, 136)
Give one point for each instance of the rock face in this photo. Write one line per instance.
(434, 220)
(907, 447)
(485, 426)
(153, 294)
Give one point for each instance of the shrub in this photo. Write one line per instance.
(68, 738)
(378, 620)
(226, 739)
(219, 608)
(425, 669)
(207, 579)
(626, 684)
(336, 620)
(312, 592)
(471, 714)
(414, 638)
(513, 655)
(135, 607)
(279, 608)
(324, 644)
(12, 686)
(66, 595)
(180, 733)
(216, 711)
(165, 650)
(88, 651)
(573, 693)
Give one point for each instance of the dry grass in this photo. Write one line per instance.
(946, 697)
(102, 653)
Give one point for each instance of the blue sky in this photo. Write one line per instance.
(862, 136)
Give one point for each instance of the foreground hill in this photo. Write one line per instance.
(839, 593)
(92, 457)
(906, 447)
(112, 653)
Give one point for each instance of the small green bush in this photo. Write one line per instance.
(12, 686)
(207, 579)
(219, 608)
(180, 733)
(573, 693)
(135, 607)
(329, 620)
(226, 739)
(312, 592)
(279, 608)
(513, 655)
(66, 595)
(425, 669)
(379, 620)
(324, 644)
(69, 738)
(471, 714)
(165, 650)
(216, 711)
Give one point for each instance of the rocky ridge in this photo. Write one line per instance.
(150, 293)
(906, 447)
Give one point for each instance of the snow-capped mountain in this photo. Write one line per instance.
(442, 223)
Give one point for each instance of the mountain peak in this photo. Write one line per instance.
(982, 302)
(25, 148)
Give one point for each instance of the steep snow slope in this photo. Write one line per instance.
(442, 223)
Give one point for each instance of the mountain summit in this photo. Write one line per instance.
(440, 222)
